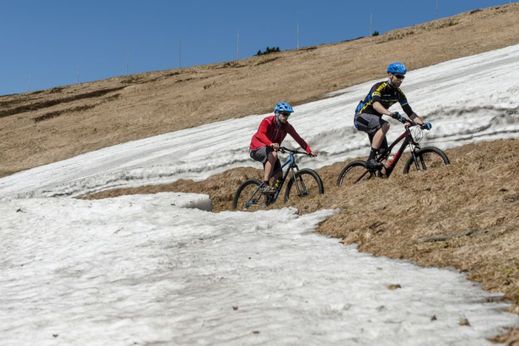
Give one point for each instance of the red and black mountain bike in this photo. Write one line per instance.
(421, 159)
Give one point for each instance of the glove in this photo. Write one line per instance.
(398, 116)
(426, 126)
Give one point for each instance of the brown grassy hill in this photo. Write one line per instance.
(55, 124)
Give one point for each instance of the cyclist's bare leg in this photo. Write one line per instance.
(269, 166)
(379, 136)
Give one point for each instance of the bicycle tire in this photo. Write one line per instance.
(353, 173)
(308, 183)
(246, 194)
(428, 157)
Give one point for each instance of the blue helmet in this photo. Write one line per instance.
(396, 68)
(283, 107)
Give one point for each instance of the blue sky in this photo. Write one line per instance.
(59, 42)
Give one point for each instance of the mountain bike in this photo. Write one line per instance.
(301, 183)
(421, 159)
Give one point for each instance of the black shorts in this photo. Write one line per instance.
(369, 123)
(261, 155)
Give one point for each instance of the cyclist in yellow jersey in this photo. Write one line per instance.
(369, 112)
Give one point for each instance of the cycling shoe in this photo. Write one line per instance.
(373, 164)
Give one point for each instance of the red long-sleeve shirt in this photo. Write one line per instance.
(272, 131)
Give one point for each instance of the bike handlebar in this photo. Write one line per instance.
(411, 123)
(283, 149)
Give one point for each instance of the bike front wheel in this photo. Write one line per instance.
(354, 173)
(426, 158)
(249, 196)
(303, 183)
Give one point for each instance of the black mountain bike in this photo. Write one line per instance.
(421, 158)
(301, 183)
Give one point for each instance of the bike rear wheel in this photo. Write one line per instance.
(249, 196)
(426, 158)
(354, 173)
(305, 182)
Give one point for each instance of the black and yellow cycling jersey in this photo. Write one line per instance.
(387, 95)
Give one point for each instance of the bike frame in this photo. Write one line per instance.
(292, 165)
(408, 140)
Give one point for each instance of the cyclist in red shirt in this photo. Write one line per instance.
(266, 142)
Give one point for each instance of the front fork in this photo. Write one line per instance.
(299, 182)
(417, 160)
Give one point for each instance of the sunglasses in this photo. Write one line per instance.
(286, 114)
(399, 76)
